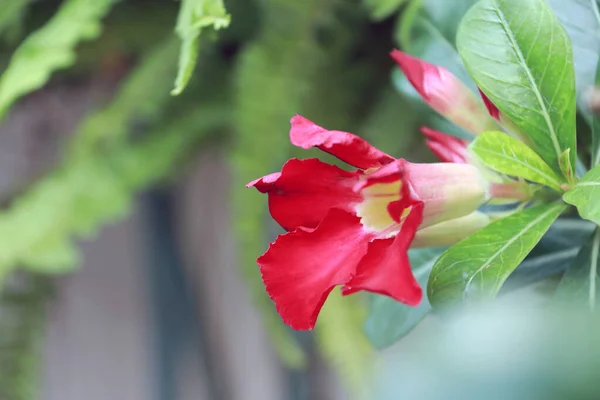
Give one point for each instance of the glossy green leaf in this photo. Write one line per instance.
(596, 129)
(381, 9)
(390, 320)
(194, 16)
(50, 48)
(476, 268)
(521, 57)
(584, 195)
(581, 19)
(581, 283)
(507, 155)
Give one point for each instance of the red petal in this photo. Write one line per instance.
(302, 267)
(305, 190)
(385, 269)
(423, 75)
(445, 93)
(447, 148)
(492, 109)
(345, 146)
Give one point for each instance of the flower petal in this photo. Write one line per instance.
(504, 122)
(450, 232)
(301, 267)
(305, 190)
(385, 269)
(448, 190)
(445, 93)
(447, 148)
(347, 147)
(491, 107)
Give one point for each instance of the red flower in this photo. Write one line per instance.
(447, 95)
(353, 228)
(447, 148)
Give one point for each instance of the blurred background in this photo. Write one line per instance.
(127, 237)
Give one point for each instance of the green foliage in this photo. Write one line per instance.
(446, 16)
(581, 283)
(507, 155)
(531, 79)
(381, 9)
(51, 48)
(581, 20)
(476, 268)
(84, 194)
(582, 194)
(390, 320)
(194, 16)
(23, 308)
(10, 14)
(137, 98)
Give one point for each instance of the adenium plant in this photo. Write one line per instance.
(491, 199)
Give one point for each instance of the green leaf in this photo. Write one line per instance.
(521, 58)
(581, 20)
(596, 129)
(476, 268)
(584, 195)
(507, 155)
(581, 282)
(195, 15)
(381, 9)
(50, 48)
(390, 320)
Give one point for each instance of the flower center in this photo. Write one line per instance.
(373, 210)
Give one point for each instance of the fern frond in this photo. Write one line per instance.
(50, 48)
(143, 96)
(82, 195)
(194, 16)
